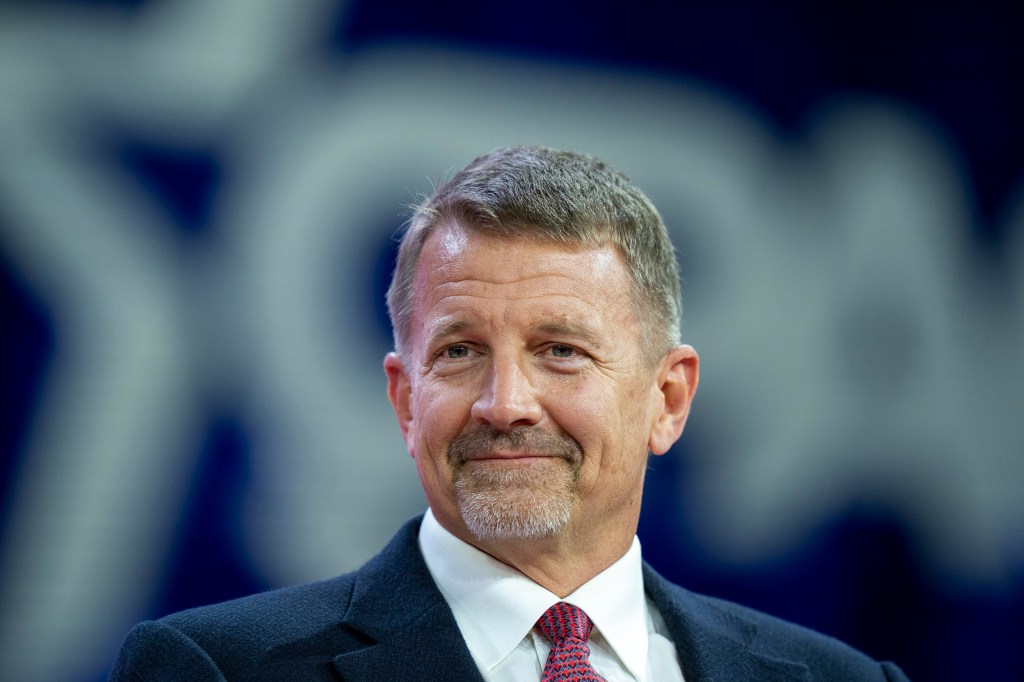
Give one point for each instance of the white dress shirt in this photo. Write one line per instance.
(496, 608)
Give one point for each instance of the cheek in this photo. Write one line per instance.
(593, 419)
(620, 429)
(442, 416)
(579, 408)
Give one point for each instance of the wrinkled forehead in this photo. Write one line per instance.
(456, 251)
(460, 268)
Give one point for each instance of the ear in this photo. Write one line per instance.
(677, 382)
(400, 395)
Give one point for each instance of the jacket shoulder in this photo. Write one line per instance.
(827, 658)
(289, 633)
(247, 638)
(274, 615)
(721, 630)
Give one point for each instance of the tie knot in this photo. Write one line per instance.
(564, 621)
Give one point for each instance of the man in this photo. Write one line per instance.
(537, 366)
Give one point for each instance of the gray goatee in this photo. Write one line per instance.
(507, 501)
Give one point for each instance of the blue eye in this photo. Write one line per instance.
(456, 352)
(562, 351)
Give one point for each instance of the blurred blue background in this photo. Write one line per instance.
(197, 209)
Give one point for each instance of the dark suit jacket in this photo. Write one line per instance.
(388, 621)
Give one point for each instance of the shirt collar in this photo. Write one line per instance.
(615, 601)
(496, 606)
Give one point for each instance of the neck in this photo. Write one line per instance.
(561, 563)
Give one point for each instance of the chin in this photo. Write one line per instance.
(498, 503)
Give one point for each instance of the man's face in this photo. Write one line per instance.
(526, 398)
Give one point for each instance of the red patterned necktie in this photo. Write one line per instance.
(567, 628)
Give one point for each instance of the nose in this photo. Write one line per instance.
(508, 399)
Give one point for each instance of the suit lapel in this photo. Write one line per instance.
(403, 624)
(400, 627)
(714, 645)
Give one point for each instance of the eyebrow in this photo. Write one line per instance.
(449, 328)
(572, 330)
(457, 326)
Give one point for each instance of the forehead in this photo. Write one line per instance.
(461, 270)
(454, 248)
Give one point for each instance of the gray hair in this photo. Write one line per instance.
(558, 197)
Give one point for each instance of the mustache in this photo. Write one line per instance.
(485, 440)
